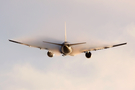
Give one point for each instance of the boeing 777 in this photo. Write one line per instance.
(66, 48)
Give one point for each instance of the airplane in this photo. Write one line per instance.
(67, 48)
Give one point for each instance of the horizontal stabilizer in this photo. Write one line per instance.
(52, 43)
(77, 43)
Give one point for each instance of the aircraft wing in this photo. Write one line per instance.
(105, 47)
(83, 49)
(40, 45)
(28, 44)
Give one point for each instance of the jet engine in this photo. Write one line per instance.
(88, 54)
(50, 54)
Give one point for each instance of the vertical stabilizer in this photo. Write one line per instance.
(65, 33)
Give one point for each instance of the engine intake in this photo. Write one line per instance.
(88, 54)
(50, 54)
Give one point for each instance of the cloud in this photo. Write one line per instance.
(117, 70)
(26, 77)
(110, 73)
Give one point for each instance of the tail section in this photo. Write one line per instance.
(73, 43)
(65, 33)
(65, 41)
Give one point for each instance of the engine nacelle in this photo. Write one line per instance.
(88, 54)
(50, 54)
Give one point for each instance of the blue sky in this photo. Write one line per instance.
(96, 22)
